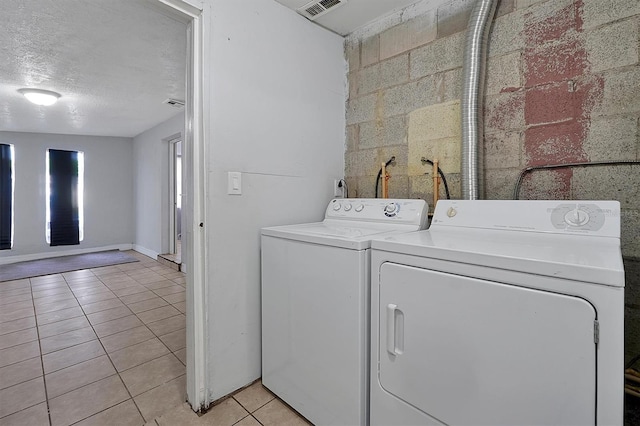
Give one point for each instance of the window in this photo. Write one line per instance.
(65, 189)
(7, 186)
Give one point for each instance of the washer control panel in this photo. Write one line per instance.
(378, 210)
(600, 218)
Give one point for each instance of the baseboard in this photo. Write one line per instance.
(152, 254)
(48, 255)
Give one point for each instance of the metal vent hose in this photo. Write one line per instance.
(473, 72)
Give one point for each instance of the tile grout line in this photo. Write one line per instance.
(44, 382)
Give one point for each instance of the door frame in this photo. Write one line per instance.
(198, 17)
(173, 192)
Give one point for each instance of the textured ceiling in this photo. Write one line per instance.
(113, 61)
(353, 14)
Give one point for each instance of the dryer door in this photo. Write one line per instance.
(467, 351)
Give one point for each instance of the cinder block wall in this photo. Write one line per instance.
(563, 85)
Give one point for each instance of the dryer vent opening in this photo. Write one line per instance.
(316, 9)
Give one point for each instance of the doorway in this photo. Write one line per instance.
(176, 170)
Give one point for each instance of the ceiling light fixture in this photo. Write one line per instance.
(40, 97)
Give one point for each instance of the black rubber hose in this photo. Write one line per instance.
(391, 160)
(444, 179)
(516, 191)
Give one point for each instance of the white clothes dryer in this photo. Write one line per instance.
(502, 313)
(315, 306)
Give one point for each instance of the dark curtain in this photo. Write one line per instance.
(6, 198)
(63, 172)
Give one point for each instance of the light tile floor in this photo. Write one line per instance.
(106, 346)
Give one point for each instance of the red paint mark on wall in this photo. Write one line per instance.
(554, 62)
(555, 143)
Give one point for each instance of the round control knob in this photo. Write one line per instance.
(576, 217)
(347, 207)
(359, 207)
(336, 206)
(390, 208)
(452, 212)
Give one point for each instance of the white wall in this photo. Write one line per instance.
(276, 102)
(108, 194)
(151, 186)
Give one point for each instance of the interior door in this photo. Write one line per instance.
(469, 352)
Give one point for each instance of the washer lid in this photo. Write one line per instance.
(575, 257)
(345, 234)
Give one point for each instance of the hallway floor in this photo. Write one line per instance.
(106, 346)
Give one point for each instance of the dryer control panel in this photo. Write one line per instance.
(595, 218)
(382, 210)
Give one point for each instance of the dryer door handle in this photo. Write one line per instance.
(395, 330)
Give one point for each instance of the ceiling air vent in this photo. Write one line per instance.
(174, 103)
(315, 9)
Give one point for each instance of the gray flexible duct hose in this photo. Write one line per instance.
(473, 79)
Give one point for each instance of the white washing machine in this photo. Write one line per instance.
(502, 313)
(315, 306)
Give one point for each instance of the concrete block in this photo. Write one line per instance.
(421, 186)
(612, 138)
(454, 16)
(352, 54)
(401, 152)
(441, 55)
(613, 46)
(452, 85)
(361, 109)
(608, 183)
(352, 79)
(632, 282)
(366, 186)
(394, 41)
(422, 61)
(499, 184)
(630, 233)
(435, 122)
(370, 51)
(523, 4)
(423, 29)
(507, 34)
(505, 7)
(446, 151)
(396, 99)
(504, 73)
(546, 185)
(362, 163)
(386, 132)
(352, 137)
(598, 12)
(504, 111)
(398, 186)
(502, 150)
(369, 79)
(394, 71)
(426, 91)
(631, 333)
(551, 21)
(621, 93)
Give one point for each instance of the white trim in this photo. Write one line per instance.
(194, 209)
(150, 253)
(47, 255)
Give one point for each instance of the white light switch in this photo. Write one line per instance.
(234, 183)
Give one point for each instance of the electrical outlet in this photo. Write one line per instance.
(338, 189)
